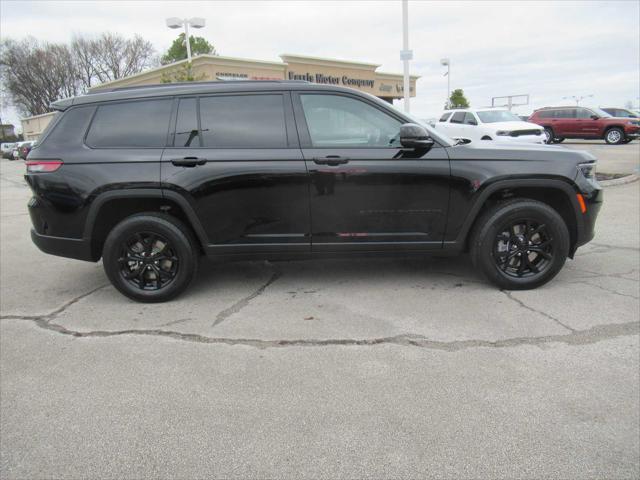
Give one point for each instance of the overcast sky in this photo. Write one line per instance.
(546, 49)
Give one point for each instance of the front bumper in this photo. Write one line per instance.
(77, 248)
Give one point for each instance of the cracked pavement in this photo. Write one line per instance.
(337, 368)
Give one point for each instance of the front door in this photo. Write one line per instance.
(367, 193)
(237, 160)
(586, 126)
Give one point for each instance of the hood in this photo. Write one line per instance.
(511, 126)
(518, 152)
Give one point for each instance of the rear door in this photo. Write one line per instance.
(236, 159)
(586, 126)
(563, 122)
(368, 193)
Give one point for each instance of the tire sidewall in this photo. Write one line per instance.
(615, 129)
(484, 243)
(180, 242)
(548, 133)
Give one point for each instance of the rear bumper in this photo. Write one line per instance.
(63, 247)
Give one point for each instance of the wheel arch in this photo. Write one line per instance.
(111, 207)
(558, 194)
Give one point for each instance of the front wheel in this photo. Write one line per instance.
(520, 244)
(614, 136)
(548, 134)
(150, 257)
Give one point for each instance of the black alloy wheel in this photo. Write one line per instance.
(148, 261)
(520, 244)
(150, 257)
(523, 248)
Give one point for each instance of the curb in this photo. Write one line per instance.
(619, 181)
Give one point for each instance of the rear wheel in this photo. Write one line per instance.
(614, 136)
(559, 140)
(150, 257)
(520, 244)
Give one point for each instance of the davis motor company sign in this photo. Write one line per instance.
(332, 80)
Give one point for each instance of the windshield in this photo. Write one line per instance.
(493, 116)
(600, 112)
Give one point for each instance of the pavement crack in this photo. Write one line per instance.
(243, 302)
(576, 337)
(615, 247)
(605, 289)
(535, 310)
(54, 313)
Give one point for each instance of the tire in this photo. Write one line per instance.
(627, 140)
(558, 140)
(499, 249)
(614, 136)
(150, 257)
(548, 132)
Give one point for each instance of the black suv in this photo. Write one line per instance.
(149, 178)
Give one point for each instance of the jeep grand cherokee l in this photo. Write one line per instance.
(586, 123)
(149, 178)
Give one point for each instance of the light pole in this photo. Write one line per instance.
(406, 54)
(577, 99)
(195, 22)
(447, 63)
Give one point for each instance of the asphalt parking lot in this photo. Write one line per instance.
(349, 368)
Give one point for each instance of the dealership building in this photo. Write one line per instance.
(358, 75)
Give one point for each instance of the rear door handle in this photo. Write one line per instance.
(188, 161)
(331, 160)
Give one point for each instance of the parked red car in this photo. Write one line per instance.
(587, 123)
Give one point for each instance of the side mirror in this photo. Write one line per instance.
(594, 117)
(415, 136)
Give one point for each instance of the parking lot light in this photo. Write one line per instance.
(195, 22)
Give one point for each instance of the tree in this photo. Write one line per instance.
(34, 74)
(110, 56)
(184, 73)
(457, 100)
(178, 49)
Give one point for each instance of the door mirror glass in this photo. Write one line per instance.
(415, 136)
(595, 117)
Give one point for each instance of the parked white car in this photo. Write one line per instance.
(489, 124)
(7, 149)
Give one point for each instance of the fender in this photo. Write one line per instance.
(482, 197)
(158, 193)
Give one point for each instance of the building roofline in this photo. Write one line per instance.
(331, 61)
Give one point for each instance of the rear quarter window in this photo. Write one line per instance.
(134, 124)
(68, 129)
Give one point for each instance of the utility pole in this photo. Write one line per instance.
(447, 63)
(406, 54)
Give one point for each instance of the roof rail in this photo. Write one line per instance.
(193, 84)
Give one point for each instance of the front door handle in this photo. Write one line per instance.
(188, 161)
(331, 160)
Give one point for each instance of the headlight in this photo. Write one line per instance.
(503, 133)
(588, 170)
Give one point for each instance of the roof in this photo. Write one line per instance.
(192, 88)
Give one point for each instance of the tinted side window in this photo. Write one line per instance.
(565, 113)
(583, 113)
(458, 117)
(340, 121)
(243, 121)
(187, 124)
(445, 117)
(70, 128)
(131, 124)
(469, 119)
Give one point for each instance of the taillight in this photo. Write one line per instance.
(43, 166)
